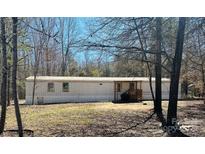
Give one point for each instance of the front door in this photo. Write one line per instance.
(132, 91)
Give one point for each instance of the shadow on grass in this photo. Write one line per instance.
(14, 133)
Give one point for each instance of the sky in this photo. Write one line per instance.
(82, 30)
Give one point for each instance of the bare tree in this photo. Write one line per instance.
(4, 76)
(47, 26)
(37, 53)
(68, 38)
(8, 89)
(39, 42)
(195, 55)
(175, 74)
(14, 71)
(158, 71)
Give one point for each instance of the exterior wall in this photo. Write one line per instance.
(165, 90)
(78, 92)
(147, 92)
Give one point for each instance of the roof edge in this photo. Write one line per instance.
(91, 79)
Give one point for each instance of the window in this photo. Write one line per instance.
(132, 86)
(65, 87)
(118, 87)
(51, 87)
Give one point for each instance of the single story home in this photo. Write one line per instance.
(59, 89)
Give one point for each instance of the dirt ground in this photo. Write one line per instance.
(104, 119)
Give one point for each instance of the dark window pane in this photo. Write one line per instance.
(65, 87)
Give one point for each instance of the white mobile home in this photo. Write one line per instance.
(57, 89)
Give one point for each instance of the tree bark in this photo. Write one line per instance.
(8, 89)
(34, 87)
(158, 69)
(175, 74)
(203, 81)
(48, 72)
(35, 71)
(14, 87)
(4, 76)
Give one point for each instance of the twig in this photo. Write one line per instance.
(41, 31)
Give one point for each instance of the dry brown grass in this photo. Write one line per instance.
(96, 119)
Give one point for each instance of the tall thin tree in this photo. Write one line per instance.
(14, 71)
(8, 89)
(4, 76)
(175, 74)
(158, 69)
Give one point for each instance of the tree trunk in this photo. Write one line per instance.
(35, 71)
(14, 87)
(34, 87)
(203, 82)
(63, 65)
(158, 70)
(48, 72)
(175, 74)
(8, 89)
(4, 76)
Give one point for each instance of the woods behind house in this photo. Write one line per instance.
(104, 47)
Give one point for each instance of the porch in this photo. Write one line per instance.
(128, 91)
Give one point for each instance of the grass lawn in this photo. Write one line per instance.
(103, 119)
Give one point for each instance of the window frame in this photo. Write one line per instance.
(49, 88)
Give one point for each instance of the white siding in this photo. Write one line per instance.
(86, 91)
(78, 92)
(147, 91)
